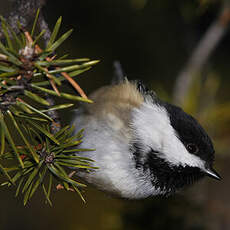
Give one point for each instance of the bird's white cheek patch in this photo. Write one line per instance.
(176, 153)
(152, 128)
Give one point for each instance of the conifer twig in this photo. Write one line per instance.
(46, 150)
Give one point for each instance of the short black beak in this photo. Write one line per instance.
(212, 173)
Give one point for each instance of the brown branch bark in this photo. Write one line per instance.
(201, 54)
(23, 11)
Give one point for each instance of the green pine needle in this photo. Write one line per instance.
(35, 23)
(55, 32)
(56, 44)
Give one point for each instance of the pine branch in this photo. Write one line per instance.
(29, 77)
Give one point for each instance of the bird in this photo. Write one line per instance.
(143, 146)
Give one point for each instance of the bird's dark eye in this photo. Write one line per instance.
(192, 148)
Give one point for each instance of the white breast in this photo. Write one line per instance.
(117, 173)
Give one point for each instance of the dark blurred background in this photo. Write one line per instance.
(153, 40)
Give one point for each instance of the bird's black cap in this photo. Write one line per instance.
(189, 131)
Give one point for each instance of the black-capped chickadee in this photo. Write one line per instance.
(144, 146)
